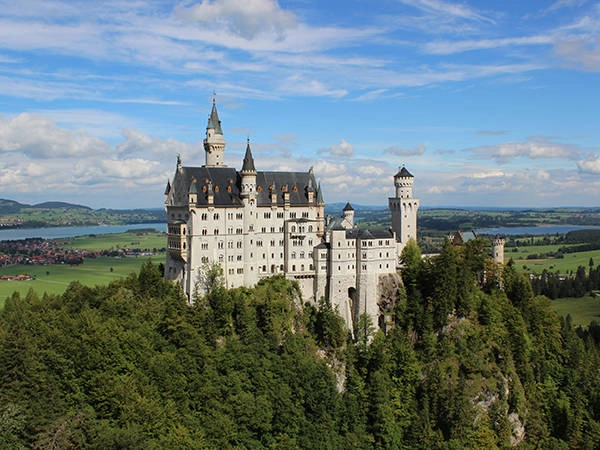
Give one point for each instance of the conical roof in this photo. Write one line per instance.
(248, 165)
(403, 173)
(348, 207)
(213, 120)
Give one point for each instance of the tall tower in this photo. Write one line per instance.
(498, 249)
(214, 143)
(404, 207)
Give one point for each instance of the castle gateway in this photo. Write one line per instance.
(256, 224)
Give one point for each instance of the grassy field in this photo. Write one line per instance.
(150, 240)
(565, 265)
(53, 279)
(582, 310)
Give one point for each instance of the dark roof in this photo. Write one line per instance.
(356, 233)
(213, 120)
(403, 173)
(248, 165)
(226, 183)
(348, 207)
(168, 188)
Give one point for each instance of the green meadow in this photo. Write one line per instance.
(582, 310)
(565, 265)
(54, 278)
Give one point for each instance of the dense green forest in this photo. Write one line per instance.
(474, 360)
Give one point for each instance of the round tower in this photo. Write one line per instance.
(403, 181)
(498, 249)
(214, 143)
(404, 207)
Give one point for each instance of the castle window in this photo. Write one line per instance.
(280, 215)
(264, 256)
(264, 268)
(239, 216)
(263, 230)
(239, 257)
(205, 246)
(302, 267)
(293, 255)
(228, 188)
(216, 216)
(272, 243)
(272, 229)
(292, 215)
(240, 270)
(293, 229)
(294, 268)
(204, 216)
(204, 232)
(281, 267)
(301, 255)
(310, 228)
(216, 231)
(204, 259)
(221, 257)
(239, 244)
(311, 267)
(305, 215)
(267, 215)
(220, 245)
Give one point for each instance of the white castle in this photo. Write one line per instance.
(256, 224)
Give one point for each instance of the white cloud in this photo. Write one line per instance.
(343, 149)
(39, 137)
(417, 151)
(246, 18)
(590, 165)
(534, 149)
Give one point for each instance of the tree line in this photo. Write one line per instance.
(475, 360)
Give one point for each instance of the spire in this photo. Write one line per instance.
(248, 165)
(213, 120)
(168, 188)
(320, 195)
(348, 207)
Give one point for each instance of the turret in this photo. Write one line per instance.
(248, 174)
(214, 143)
(498, 249)
(193, 193)
(403, 181)
(348, 215)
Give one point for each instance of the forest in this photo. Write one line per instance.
(474, 360)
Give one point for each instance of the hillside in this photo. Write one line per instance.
(48, 214)
(467, 365)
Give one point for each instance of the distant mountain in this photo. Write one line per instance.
(10, 206)
(60, 205)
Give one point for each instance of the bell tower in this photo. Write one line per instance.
(404, 207)
(214, 143)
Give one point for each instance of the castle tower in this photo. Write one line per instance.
(404, 207)
(248, 175)
(498, 249)
(348, 215)
(214, 143)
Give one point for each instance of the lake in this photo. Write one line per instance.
(546, 229)
(62, 232)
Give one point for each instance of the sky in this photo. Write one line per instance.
(487, 103)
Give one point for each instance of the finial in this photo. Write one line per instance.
(214, 96)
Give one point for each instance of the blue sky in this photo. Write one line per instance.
(487, 103)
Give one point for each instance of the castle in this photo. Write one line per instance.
(256, 224)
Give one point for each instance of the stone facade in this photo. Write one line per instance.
(256, 224)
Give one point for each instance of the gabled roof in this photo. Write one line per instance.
(348, 207)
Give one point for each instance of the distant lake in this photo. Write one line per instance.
(63, 232)
(546, 229)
